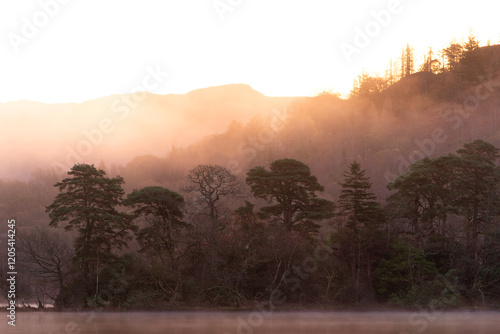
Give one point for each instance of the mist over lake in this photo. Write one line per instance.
(257, 322)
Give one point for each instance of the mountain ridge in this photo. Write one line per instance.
(129, 126)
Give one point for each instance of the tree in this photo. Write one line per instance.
(407, 61)
(246, 217)
(356, 201)
(391, 73)
(366, 85)
(161, 210)
(430, 64)
(290, 185)
(471, 64)
(87, 203)
(363, 218)
(477, 196)
(48, 257)
(213, 182)
(403, 276)
(489, 275)
(472, 43)
(453, 54)
(464, 187)
(424, 196)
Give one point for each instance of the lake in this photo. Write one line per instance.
(254, 322)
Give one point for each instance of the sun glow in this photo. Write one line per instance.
(63, 51)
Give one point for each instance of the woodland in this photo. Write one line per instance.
(388, 198)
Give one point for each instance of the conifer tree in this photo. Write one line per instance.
(291, 190)
(87, 202)
(363, 217)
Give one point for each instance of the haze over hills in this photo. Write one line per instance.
(163, 139)
(160, 138)
(422, 115)
(118, 127)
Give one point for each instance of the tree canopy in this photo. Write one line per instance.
(87, 202)
(290, 185)
(161, 209)
(356, 201)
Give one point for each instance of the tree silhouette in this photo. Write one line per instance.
(477, 196)
(87, 203)
(290, 185)
(407, 61)
(430, 64)
(471, 64)
(213, 182)
(49, 256)
(366, 85)
(363, 216)
(161, 211)
(424, 196)
(453, 55)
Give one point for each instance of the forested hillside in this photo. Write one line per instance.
(387, 198)
(423, 115)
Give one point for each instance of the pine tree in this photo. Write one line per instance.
(471, 64)
(87, 203)
(357, 204)
(160, 211)
(391, 73)
(477, 197)
(291, 190)
(453, 54)
(356, 201)
(407, 61)
(472, 43)
(430, 63)
(425, 195)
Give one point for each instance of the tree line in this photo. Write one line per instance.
(434, 242)
(460, 58)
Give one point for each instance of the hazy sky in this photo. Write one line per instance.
(74, 50)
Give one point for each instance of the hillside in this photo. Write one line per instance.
(163, 137)
(118, 127)
(422, 115)
(159, 143)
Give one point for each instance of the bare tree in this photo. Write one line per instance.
(213, 182)
(407, 61)
(47, 256)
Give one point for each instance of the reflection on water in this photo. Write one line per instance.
(255, 322)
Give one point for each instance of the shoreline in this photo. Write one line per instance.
(289, 308)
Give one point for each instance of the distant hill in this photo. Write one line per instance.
(119, 127)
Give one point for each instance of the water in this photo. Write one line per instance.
(254, 322)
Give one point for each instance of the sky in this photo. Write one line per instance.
(58, 51)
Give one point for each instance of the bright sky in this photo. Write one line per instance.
(74, 50)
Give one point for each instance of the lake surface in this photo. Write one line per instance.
(254, 322)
